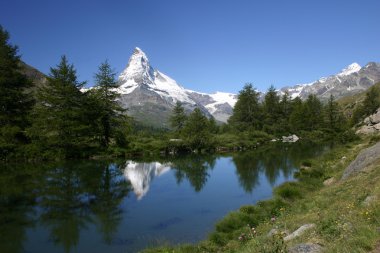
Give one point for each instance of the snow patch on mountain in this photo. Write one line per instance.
(352, 68)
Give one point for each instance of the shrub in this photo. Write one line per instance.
(289, 190)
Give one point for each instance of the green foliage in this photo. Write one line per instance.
(247, 112)
(290, 191)
(333, 117)
(15, 102)
(178, 117)
(370, 104)
(108, 117)
(58, 117)
(196, 131)
(271, 110)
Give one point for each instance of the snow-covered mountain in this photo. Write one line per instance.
(151, 95)
(352, 79)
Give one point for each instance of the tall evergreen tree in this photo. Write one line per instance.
(313, 116)
(247, 112)
(109, 114)
(334, 118)
(15, 103)
(178, 117)
(285, 112)
(296, 118)
(271, 110)
(196, 130)
(58, 118)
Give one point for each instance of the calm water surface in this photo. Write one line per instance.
(124, 206)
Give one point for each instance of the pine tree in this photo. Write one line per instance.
(178, 117)
(285, 112)
(334, 118)
(247, 112)
(15, 103)
(296, 118)
(109, 114)
(313, 116)
(271, 108)
(59, 124)
(196, 130)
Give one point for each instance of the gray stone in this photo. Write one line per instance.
(368, 200)
(366, 130)
(365, 158)
(329, 181)
(290, 138)
(300, 231)
(367, 121)
(377, 126)
(306, 248)
(375, 118)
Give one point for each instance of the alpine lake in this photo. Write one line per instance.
(128, 205)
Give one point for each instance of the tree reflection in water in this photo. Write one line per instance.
(69, 198)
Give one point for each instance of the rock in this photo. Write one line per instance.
(290, 138)
(344, 158)
(372, 124)
(375, 118)
(329, 181)
(366, 157)
(366, 130)
(367, 121)
(300, 231)
(306, 248)
(368, 200)
(272, 232)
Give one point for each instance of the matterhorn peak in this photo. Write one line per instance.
(352, 68)
(138, 68)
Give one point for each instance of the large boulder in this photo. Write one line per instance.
(369, 129)
(375, 118)
(371, 124)
(366, 157)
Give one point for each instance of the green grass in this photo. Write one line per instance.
(343, 222)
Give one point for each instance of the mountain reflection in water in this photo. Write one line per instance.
(140, 175)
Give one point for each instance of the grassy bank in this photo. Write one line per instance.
(343, 221)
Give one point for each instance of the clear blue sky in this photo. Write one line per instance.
(205, 45)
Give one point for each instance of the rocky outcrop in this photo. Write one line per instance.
(306, 248)
(290, 138)
(372, 124)
(300, 231)
(365, 158)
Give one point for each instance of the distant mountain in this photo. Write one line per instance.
(151, 95)
(351, 80)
